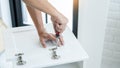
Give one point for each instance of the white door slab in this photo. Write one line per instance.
(26, 40)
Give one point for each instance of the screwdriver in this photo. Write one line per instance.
(57, 38)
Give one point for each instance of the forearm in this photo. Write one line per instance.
(42, 5)
(37, 19)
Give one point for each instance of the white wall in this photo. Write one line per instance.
(92, 23)
(5, 12)
(66, 10)
(111, 51)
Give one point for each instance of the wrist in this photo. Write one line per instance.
(55, 14)
(41, 30)
(40, 33)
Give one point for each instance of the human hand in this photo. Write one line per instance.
(49, 36)
(59, 22)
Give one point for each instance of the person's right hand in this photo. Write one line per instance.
(59, 22)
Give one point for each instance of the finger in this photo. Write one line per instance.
(59, 25)
(63, 29)
(43, 43)
(52, 37)
(58, 43)
(54, 27)
(58, 29)
(61, 40)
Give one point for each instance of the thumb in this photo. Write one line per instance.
(61, 40)
(43, 43)
(52, 37)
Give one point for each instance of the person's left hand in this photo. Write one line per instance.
(48, 36)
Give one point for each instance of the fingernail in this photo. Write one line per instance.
(62, 44)
(44, 46)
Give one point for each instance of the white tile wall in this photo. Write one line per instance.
(111, 51)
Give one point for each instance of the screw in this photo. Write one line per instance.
(19, 59)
